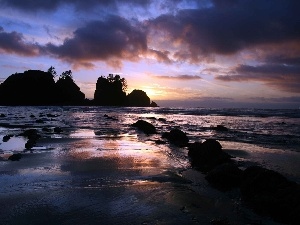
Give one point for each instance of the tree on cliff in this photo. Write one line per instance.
(52, 71)
(110, 91)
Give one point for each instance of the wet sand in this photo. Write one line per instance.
(81, 178)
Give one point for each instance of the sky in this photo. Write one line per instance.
(185, 53)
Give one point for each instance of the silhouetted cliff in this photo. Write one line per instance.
(70, 93)
(110, 91)
(138, 98)
(35, 87)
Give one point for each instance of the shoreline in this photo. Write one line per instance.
(125, 171)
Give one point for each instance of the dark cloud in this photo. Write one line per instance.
(180, 77)
(228, 27)
(111, 39)
(279, 76)
(14, 43)
(291, 99)
(51, 5)
(160, 56)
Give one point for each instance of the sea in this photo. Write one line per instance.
(99, 157)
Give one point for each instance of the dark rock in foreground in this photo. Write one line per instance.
(177, 137)
(207, 155)
(145, 127)
(15, 157)
(225, 176)
(268, 192)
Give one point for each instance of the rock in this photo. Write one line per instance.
(160, 142)
(69, 92)
(2, 115)
(30, 143)
(57, 130)
(51, 115)
(6, 138)
(15, 157)
(32, 116)
(110, 117)
(46, 129)
(110, 91)
(162, 120)
(220, 222)
(35, 87)
(270, 193)
(207, 155)
(39, 121)
(138, 98)
(220, 128)
(225, 176)
(153, 104)
(144, 126)
(176, 137)
(30, 134)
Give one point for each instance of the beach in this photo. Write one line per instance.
(99, 169)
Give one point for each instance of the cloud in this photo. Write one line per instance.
(160, 56)
(227, 27)
(14, 43)
(179, 77)
(51, 5)
(279, 76)
(112, 40)
(292, 99)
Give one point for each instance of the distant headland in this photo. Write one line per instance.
(35, 87)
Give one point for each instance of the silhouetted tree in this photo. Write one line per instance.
(52, 71)
(66, 74)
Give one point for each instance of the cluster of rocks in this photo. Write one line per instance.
(32, 136)
(35, 87)
(266, 191)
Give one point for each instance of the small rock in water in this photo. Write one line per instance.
(57, 130)
(6, 138)
(160, 142)
(144, 126)
(220, 128)
(15, 157)
(30, 143)
(2, 115)
(51, 115)
(176, 137)
(39, 121)
(46, 129)
(162, 120)
(31, 134)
